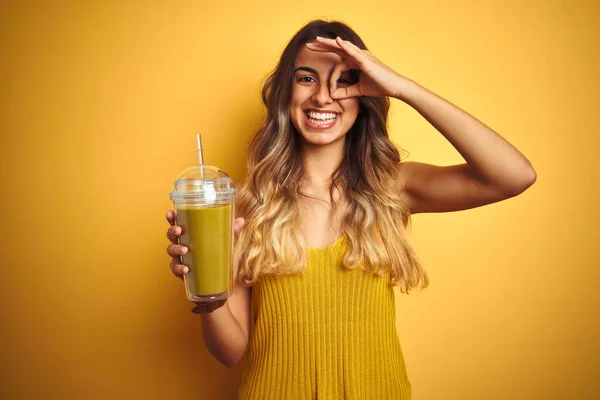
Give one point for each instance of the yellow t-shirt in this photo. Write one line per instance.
(328, 334)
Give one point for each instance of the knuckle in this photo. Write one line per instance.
(170, 249)
(177, 267)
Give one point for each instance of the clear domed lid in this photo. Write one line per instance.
(203, 183)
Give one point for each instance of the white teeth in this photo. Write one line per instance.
(319, 122)
(322, 116)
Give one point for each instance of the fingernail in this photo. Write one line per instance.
(185, 270)
(184, 250)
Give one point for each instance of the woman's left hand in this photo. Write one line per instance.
(376, 78)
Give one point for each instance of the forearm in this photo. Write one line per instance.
(494, 161)
(223, 335)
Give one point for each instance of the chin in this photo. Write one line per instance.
(317, 136)
(320, 138)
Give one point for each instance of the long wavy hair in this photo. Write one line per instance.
(375, 220)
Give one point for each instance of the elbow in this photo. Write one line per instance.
(526, 179)
(532, 177)
(231, 362)
(232, 357)
(529, 176)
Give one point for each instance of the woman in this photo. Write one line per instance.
(325, 210)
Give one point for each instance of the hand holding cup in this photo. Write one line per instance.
(175, 250)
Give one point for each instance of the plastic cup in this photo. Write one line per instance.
(204, 199)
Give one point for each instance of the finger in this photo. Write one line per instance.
(178, 268)
(328, 42)
(351, 49)
(335, 75)
(171, 217)
(173, 233)
(176, 250)
(325, 48)
(348, 51)
(346, 92)
(238, 224)
(342, 47)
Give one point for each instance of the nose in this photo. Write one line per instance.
(321, 96)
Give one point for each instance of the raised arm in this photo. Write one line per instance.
(494, 169)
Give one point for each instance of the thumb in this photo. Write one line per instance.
(346, 92)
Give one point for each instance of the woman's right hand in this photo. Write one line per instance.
(175, 250)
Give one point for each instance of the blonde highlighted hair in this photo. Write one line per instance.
(375, 220)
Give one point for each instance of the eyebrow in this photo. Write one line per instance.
(314, 71)
(307, 69)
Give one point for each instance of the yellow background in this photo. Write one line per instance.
(100, 104)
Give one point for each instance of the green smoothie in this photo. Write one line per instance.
(207, 233)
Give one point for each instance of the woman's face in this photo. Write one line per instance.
(316, 116)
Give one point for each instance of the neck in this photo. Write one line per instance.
(320, 162)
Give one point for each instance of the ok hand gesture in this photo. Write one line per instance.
(376, 78)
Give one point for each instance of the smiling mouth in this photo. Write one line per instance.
(320, 120)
